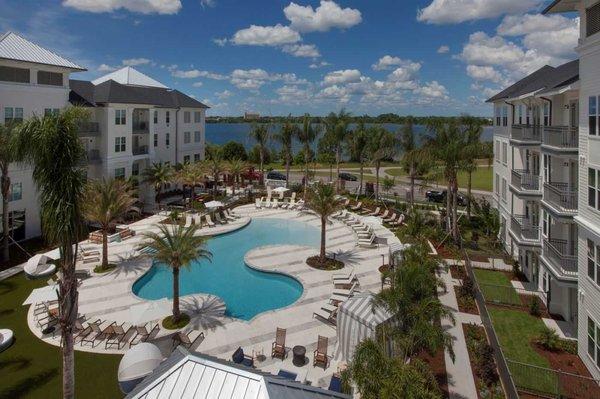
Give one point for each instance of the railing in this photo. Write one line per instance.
(526, 133)
(140, 150)
(88, 129)
(561, 196)
(92, 157)
(140, 127)
(525, 180)
(564, 137)
(563, 259)
(523, 228)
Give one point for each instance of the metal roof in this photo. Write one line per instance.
(193, 375)
(14, 47)
(129, 76)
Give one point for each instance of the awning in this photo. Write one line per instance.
(44, 294)
(139, 361)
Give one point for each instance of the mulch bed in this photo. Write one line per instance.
(464, 304)
(458, 272)
(437, 365)
(481, 337)
(330, 264)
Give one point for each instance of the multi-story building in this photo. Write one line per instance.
(135, 121)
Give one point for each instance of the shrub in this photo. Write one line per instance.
(468, 287)
(486, 365)
(534, 307)
(516, 269)
(174, 216)
(549, 339)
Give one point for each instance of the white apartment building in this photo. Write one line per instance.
(135, 121)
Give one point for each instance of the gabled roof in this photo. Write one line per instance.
(14, 47)
(545, 78)
(561, 6)
(86, 93)
(129, 76)
(194, 375)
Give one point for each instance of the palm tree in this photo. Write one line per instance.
(322, 201)
(285, 137)
(215, 166)
(7, 156)
(412, 156)
(260, 134)
(337, 129)
(158, 175)
(191, 174)
(473, 129)
(357, 146)
(307, 135)
(51, 144)
(236, 167)
(177, 247)
(106, 202)
(381, 146)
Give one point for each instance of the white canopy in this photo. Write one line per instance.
(39, 265)
(213, 204)
(149, 311)
(47, 293)
(139, 361)
(357, 320)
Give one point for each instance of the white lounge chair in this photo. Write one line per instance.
(258, 203)
(209, 222)
(231, 215)
(343, 276)
(292, 204)
(218, 218)
(367, 242)
(275, 203)
(346, 291)
(356, 207)
(391, 218)
(375, 212)
(398, 222)
(385, 214)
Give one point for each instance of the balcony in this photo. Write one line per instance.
(526, 134)
(525, 182)
(523, 228)
(88, 129)
(140, 150)
(559, 196)
(562, 138)
(140, 127)
(92, 157)
(561, 255)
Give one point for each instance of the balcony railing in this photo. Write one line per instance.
(524, 228)
(530, 133)
(562, 255)
(559, 195)
(563, 137)
(524, 180)
(140, 150)
(87, 129)
(92, 157)
(140, 127)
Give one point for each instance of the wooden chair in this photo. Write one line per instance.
(320, 354)
(278, 347)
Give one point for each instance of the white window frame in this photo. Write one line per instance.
(504, 153)
(118, 175)
(594, 116)
(120, 117)
(593, 187)
(504, 189)
(155, 140)
(187, 137)
(196, 157)
(155, 117)
(187, 117)
(120, 144)
(593, 262)
(197, 117)
(168, 139)
(13, 191)
(197, 137)
(594, 340)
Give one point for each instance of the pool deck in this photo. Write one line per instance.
(109, 296)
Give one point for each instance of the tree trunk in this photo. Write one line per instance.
(176, 312)
(105, 247)
(337, 164)
(287, 170)
(449, 207)
(323, 237)
(412, 185)
(157, 198)
(360, 187)
(455, 234)
(469, 194)
(67, 296)
(262, 170)
(5, 188)
(377, 165)
(306, 156)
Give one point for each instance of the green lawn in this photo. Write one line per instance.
(480, 180)
(496, 287)
(31, 368)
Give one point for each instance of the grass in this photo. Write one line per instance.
(480, 180)
(170, 325)
(496, 287)
(31, 368)
(100, 269)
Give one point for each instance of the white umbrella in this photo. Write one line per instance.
(372, 221)
(47, 293)
(149, 311)
(213, 204)
(281, 190)
(137, 363)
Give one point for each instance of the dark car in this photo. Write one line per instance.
(440, 197)
(273, 175)
(347, 176)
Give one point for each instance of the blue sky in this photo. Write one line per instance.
(421, 57)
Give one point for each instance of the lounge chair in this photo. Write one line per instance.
(258, 203)
(142, 334)
(375, 212)
(119, 337)
(343, 276)
(275, 203)
(346, 292)
(292, 204)
(339, 214)
(218, 218)
(398, 222)
(227, 217)
(320, 354)
(285, 204)
(367, 242)
(278, 347)
(231, 214)
(336, 299)
(268, 201)
(98, 333)
(327, 315)
(209, 222)
(391, 218)
(356, 207)
(385, 214)
(239, 357)
(187, 340)
(346, 202)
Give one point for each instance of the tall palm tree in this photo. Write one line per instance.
(7, 156)
(307, 135)
(191, 174)
(52, 145)
(236, 167)
(176, 247)
(322, 201)
(381, 146)
(337, 129)
(473, 129)
(215, 166)
(106, 202)
(413, 158)
(260, 134)
(357, 146)
(285, 137)
(158, 175)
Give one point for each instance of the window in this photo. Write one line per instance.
(13, 114)
(546, 114)
(120, 144)
(497, 184)
(497, 151)
(505, 115)
(50, 78)
(545, 223)
(155, 116)
(187, 137)
(593, 116)
(120, 173)
(11, 74)
(497, 115)
(186, 117)
(592, 19)
(503, 189)
(593, 261)
(504, 153)
(16, 192)
(135, 169)
(167, 139)
(520, 114)
(197, 117)
(196, 157)
(186, 159)
(120, 117)
(197, 137)
(155, 140)
(168, 117)
(594, 341)
(593, 188)
(51, 111)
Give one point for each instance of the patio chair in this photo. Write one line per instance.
(343, 277)
(209, 222)
(120, 336)
(375, 212)
(143, 334)
(356, 207)
(398, 222)
(346, 291)
(258, 203)
(346, 202)
(278, 347)
(385, 214)
(227, 217)
(320, 354)
(239, 357)
(367, 242)
(337, 299)
(327, 313)
(230, 214)
(218, 218)
(187, 340)
(292, 204)
(390, 219)
(97, 334)
(275, 203)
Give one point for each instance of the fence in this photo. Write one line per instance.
(507, 295)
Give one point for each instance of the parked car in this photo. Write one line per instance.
(347, 176)
(274, 175)
(440, 197)
(251, 175)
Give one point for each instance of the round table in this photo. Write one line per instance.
(299, 353)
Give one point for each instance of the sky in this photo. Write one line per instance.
(274, 57)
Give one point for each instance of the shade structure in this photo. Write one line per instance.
(137, 363)
(213, 204)
(149, 311)
(39, 265)
(281, 190)
(372, 221)
(357, 320)
(44, 294)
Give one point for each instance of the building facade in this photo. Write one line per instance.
(134, 121)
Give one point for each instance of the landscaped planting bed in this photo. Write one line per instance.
(483, 366)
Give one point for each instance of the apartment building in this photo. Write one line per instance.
(135, 121)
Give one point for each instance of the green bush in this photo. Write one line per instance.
(467, 288)
(534, 307)
(549, 339)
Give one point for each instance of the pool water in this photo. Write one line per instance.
(246, 291)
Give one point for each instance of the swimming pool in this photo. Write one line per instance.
(246, 291)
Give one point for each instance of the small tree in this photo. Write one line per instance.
(260, 134)
(236, 167)
(381, 146)
(7, 156)
(285, 137)
(388, 183)
(191, 174)
(323, 203)
(158, 175)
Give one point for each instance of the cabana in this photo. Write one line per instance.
(137, 363)
(39, 266)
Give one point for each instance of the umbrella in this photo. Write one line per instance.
(137, 363)
(149, 311)
(213, 204)
(372, 221)
(281, 190)
(47, 293)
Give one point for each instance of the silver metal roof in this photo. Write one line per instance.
(14, 47)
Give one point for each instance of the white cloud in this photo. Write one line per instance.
(106, 68)
(386, 62)
(316, 65)
(457, 11)
(483, 73)
(432, 90)
(519, 25)
(326, 16)
(254, 79)
(139, 6)
(335, 93)
(194, 74)
(302, 50)
(197, 84)
(136, 61)
(266, 36)
(291, 94)
(407, 71)
(342, 76)
(208, 3)
(222, 95)
(443, 49)
(220, 41)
